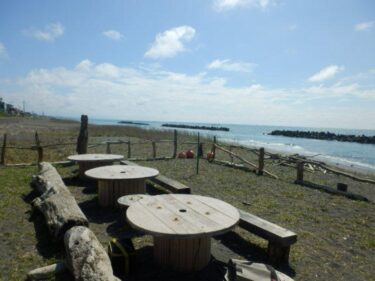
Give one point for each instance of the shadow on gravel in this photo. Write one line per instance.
(97, 214)
(89, 186)
(215, 270)
(249, 251)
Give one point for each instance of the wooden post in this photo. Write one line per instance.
(230, 155)
(198, 156)
(129, 149)
(342, 187)
(108, 148)
(200, 150)
(153, 149)
(261, 161)
(213, 149)
(300, 171)
(174, 144)
(82, 140)
(3, 149)
(39, 148)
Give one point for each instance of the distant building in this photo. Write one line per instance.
(2, 105)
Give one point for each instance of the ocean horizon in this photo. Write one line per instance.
(360, 157)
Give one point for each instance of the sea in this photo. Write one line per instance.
(360, 157)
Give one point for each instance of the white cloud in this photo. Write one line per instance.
(326, 73)
(113, 34)
(171, 42)
(49, 33)
(363, 26)
(3, 52)
(151, 93)
(229, 65)
(221, 5)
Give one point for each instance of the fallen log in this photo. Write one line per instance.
(86, 258)
(245, 161)
(342, 173)
(56, 203)
(233, 165)
(47, 272)
(331, 190)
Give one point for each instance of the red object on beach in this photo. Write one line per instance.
(189, 154)
(182, 154)
(210, 156)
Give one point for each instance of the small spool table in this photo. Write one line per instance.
(90, 161)
(118, 180)
(125, 201)
(182, 226)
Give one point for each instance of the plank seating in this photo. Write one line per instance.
(169, 184)
(279, 238)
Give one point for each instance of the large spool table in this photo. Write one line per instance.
(182, 226)
(116, 181)
(90, 161)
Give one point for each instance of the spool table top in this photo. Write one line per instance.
(182, 215)
(121, 172)
(95, 157)
(127, 200)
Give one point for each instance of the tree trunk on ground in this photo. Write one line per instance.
(57, 204)
(86, 257)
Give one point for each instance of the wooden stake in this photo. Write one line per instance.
(174, 144)
(129, 150)
(3, 149)
(82, 140)
(261, 161)
(153, 149)
(342, 187)
(108, 148)
(213, 149)
(38, 147)
(198, 156)
(300, 166)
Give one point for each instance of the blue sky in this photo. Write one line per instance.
(266, 62)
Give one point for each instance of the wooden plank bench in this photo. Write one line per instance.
(169, 184)
(279, 238)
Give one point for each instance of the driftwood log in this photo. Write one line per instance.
(47, 272)
(86, 257)
(244, 160)
(57, 204)
(331, 190)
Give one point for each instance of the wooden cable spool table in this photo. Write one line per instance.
(90, 161)
(118, 180)
(182, 226)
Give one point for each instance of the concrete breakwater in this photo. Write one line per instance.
(324, 136)
(183, 126)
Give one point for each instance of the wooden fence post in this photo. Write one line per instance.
(174, 144)
(153, 149)
(3, 150)
(198, 156)
(230, 155)
(213, 149)
(342, 187)
(38, 147)
(300, 166)
(82, 140)
(108, 150)
(129, 150)
(261, 161)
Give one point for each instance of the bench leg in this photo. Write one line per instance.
(278, 254)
